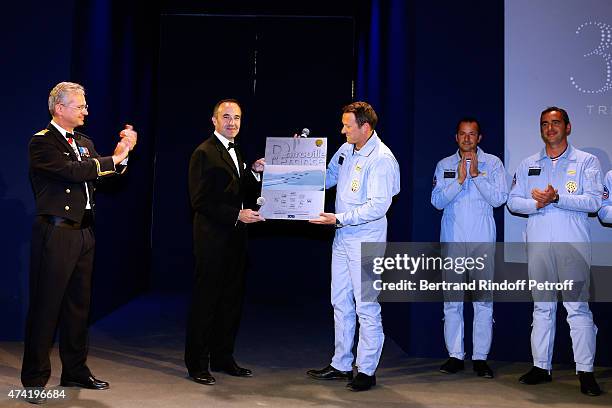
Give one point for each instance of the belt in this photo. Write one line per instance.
(70, 224)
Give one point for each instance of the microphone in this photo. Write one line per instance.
(260, 202)
(305, 132)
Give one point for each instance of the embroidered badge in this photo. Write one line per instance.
(571, 186)
(534, 171)
(355, 185)
(84, 152)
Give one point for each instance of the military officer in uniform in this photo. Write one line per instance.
(64, 166)
(467, 186)
(366, 176)
(557, 188)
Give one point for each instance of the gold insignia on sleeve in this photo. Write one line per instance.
(100, 172)
(42, 132)
(571, 186)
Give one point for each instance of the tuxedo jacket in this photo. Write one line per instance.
(218, 192)
(58, 177)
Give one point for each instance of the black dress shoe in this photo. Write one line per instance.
(90, 382)
(452, 366)
(535, 376)
(34, 395)
(588, 385)
(204, 378)
(362, 382)
(482, 369)
(232, 369)
(330, 373)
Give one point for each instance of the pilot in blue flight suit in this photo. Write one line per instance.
(558, 188)
(605, 212)
(367, 177)
(467, 186)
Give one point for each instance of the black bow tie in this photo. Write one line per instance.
(75, 136)
(231, 146)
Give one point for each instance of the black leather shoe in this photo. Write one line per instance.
(452, 366)
(232, 369)
(588, 385)
(330, 373)
(33, 395)
(91, 383)
(204, 378)
(482, 369)
(535, 376)
(362, 382)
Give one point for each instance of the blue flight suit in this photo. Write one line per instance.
(605, 212)
(366, 180)
(468, 218)
(577, 178)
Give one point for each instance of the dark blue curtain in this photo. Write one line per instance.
(115, 58)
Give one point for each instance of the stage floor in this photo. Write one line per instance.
(139, 350)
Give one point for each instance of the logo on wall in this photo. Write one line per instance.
(601, 52)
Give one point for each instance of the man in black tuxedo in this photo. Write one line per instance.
(63, 168)
(221, 189)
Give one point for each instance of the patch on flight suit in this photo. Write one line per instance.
(534, 171)
(606, 193)
(355, 185)
(571, 186)
(340, 160)
(84, 152)
(449, 174)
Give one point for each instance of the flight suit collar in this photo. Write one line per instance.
(569, 153)
(369, 147)
(479, 153)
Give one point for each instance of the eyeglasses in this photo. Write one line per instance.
(80, 107)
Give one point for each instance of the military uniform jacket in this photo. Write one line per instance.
(58, 177)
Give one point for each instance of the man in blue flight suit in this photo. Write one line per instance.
(605, 212)
(366, 176)
(558, 188)
(467, 186)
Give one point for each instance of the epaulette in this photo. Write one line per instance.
(42, 132)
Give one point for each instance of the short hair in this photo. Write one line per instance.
(364, 113)
(564, 114)
(60, 93)
(468, 119)
(222, 101)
